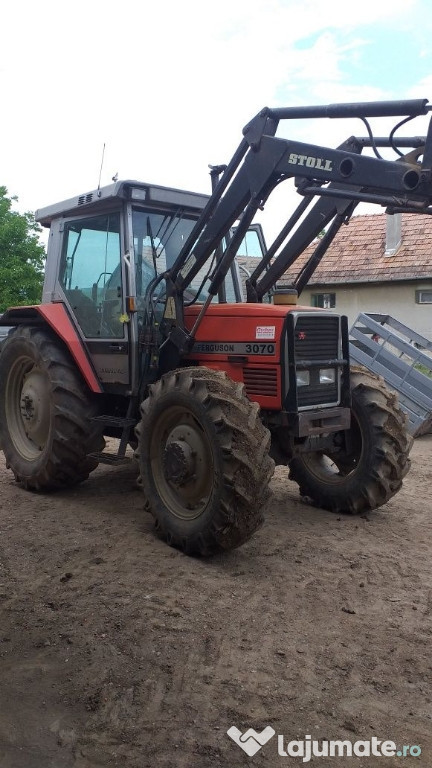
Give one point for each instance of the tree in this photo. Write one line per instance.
(22, 256)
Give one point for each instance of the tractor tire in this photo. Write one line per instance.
(203, 456)
(378, 461)
(45, 413)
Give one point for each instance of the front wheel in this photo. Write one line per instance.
(203, 459)
(371, 471)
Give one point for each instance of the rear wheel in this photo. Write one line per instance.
(371, 472)
(204, 462)
(45, 413)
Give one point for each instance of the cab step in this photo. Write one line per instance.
(115, 421)
(125, 426)
(110, 458)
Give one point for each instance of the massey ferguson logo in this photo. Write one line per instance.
(311, 162)
(301, 335)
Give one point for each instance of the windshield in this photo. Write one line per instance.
(158, 239)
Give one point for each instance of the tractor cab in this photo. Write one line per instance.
(106, 247)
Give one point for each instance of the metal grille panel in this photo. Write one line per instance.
(316, 338)
(321, 394)
(260, 381)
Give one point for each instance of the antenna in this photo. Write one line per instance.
(100, 172)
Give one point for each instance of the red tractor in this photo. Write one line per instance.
(144, 335)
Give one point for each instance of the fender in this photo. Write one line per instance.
(56, 316)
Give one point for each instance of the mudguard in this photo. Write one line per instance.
(57, 317)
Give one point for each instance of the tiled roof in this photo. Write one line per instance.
(357, 253)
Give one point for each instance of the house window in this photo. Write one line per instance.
(424, 297)
(323, 300)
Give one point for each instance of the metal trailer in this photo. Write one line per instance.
(403, 358)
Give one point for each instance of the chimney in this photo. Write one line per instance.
(393, 233)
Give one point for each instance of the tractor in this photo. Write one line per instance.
(146, 334)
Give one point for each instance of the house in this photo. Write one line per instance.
(378, 263)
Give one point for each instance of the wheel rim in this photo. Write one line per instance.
(27, 407)
(335, 467)
(182, 463)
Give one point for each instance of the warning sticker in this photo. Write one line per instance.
(265, 332)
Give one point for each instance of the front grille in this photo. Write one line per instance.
(316, 337)
(260, 381)
(318, 394)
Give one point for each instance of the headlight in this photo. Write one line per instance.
(303, 378)
(327, 376)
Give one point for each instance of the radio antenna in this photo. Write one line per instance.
(100, 172)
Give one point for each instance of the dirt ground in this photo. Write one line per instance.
(116, 650)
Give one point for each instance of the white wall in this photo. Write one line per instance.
(396, 299)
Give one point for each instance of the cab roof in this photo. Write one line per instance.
(135, 191)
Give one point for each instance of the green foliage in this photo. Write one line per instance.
(22, 256)
(423, 369)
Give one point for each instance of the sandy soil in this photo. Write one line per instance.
(116, 650)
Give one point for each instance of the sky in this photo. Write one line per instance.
(167, 86)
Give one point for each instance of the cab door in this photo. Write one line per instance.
(91, 278)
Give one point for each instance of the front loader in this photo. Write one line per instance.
(144, 335)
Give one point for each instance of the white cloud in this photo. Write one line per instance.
(168, 86)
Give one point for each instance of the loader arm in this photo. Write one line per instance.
(340, 178)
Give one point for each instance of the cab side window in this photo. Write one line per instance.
(90, 274)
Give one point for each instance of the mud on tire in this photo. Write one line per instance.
(45, 412)
(204, 462)
(373, 471)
